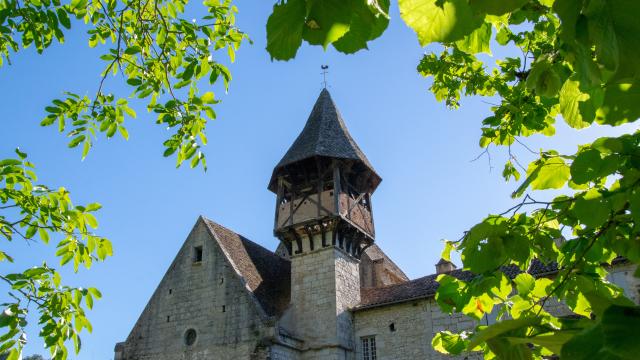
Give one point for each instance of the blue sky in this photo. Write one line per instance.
(431, 190)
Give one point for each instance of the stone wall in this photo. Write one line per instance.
(404, 331)
(206, 296)
(325, 285)
(622, 275)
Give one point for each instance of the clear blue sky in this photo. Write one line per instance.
(430, 190)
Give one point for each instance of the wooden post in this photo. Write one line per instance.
(336, 188)
(373, 227)
(278, 201)
(310, 236)
(291, 210)
(320, 187)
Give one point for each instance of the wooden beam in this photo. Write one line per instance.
(278, 201)
(324, 234)
(336, 188)
(307, 229)
(357, 201)
(298, 241)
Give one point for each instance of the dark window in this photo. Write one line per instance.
(197, 254)
(170, 291)
(369, 348)
(392, 327)
(224, 308)
(190, 337)
(168, 318)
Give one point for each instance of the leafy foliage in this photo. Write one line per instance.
(347, 24)
(580, 62)
(36, 213)
(161, 55)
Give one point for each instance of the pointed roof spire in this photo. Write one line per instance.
(326, 135)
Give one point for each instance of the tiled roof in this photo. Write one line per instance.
(324, 135)
(265, 274)
(426, 286)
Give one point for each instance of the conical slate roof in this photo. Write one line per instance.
(324, 134)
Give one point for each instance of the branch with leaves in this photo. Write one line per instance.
(161, 55)
(28, 209)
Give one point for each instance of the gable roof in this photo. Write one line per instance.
(266, 275)
(325, 135)
(426, 286)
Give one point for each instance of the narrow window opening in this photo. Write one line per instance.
(369, 348)
(392, 327)
(170, 291)
(190, 337)
(197, 254)
(168, 318)
(224, 308)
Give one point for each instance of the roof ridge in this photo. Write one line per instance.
(242, 237)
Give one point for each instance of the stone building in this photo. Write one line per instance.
(327, 292)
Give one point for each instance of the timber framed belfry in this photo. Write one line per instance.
(324, 185)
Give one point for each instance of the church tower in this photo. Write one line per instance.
(324, 219)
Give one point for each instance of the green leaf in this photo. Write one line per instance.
(44, 235)
(123, 131)
(589, 166)
(571, 99)
(552, 341)
(510, 171)
(500, 328)
(447, 342)
(85, 149)
(284, 29)
(450, 294)
(545, 173)
(525, 283)
(76, 141)
(591, 209)
(478, 41)
(436, 21)
(14, 354)
(543, 79)
(446, 252)
(496, 7)
(485, 256)
(10, 162)
(132, 50)
(503, 349)
(621, 104)
(208, 98)
(326, 22)
(367, 23)
(540, 288)
(621, 330)
(63, 18)
(91, 220)
(30, 231)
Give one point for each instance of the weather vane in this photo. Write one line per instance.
(324, 74)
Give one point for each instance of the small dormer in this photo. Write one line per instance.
(444, 266)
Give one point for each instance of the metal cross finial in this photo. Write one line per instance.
(324, 74)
